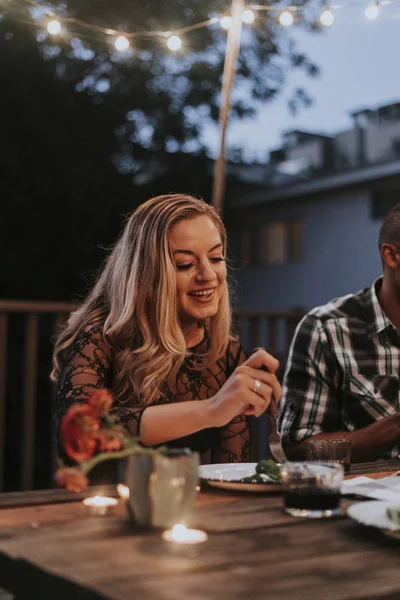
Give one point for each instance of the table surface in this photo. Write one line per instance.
(254, 550)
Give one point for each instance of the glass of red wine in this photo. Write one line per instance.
(312, 489)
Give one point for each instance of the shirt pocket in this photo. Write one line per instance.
(367, 399)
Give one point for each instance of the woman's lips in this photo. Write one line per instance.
(202, 298)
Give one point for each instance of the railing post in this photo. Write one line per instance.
(272, 335)
(291, 323)
(3, 391)
(29, 401)
(254, 332)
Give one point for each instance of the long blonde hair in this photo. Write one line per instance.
(134, 301)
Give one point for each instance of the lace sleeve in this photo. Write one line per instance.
(233, 443)
(85, 366)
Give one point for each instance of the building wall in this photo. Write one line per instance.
(340, 253)
(312, 151)
(346, 149)
(380, 138)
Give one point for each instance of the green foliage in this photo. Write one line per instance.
(79, 121)
(156, 100)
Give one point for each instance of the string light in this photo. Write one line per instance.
(57, 25)
(248, 17)
(226, 22)
(54, 27)
(121, 43)
(174, 43)
(286, 18)
(372, 11)
(327, 17)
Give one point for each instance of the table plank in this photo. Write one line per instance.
(375, 466)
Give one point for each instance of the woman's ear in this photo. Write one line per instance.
(390, 255)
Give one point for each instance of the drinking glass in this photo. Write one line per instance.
(311, 489)
(330, 451)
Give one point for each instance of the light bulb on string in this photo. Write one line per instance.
(121, 43)
(54, 27)
(327, 17)
(174, 43)
(248, 17)
(286, 18)
(372, 11)
(226, 22)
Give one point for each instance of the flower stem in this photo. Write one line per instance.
(132, 448)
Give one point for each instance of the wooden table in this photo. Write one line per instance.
(254, 551)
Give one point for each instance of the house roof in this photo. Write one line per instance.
(331, 182)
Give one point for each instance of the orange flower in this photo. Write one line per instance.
(101, 402)
(110, 439)
(72, 479)
(78, 432)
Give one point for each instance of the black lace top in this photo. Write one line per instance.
(88, 364)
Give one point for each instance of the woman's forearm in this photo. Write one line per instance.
(166, 422)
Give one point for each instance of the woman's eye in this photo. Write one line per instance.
(217, 259)
(184, 267)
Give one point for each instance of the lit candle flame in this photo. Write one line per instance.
(100, 501)
(180, 534)
(123, 491)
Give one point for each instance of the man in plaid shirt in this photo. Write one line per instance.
(342, 374)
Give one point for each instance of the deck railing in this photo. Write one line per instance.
(26, 396)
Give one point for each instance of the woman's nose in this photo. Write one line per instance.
(206, 272)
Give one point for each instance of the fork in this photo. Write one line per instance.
(274, 438)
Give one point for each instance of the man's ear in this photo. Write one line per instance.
(390, 255)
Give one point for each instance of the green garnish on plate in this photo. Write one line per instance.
(266, 470)
(393, 514)
(269, 467)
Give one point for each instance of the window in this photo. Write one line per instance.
(276, 243)
(382, 201)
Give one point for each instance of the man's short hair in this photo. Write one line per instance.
(390, 230)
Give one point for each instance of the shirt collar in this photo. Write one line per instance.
(377, 320)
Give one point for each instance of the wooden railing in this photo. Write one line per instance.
(26, 395)
(24, 356)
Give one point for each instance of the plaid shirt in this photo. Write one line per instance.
(343, 368)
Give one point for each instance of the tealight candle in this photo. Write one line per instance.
(180, 534)
(99, 506)
(123, 491)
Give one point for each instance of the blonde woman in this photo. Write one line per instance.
(155, 330)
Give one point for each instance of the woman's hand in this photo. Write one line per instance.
(241, 394)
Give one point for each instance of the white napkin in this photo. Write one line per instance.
(387, 488)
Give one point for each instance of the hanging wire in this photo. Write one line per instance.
(284, 9)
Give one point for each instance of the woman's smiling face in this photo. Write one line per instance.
(200, 268)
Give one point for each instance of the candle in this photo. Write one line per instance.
(179, 534)
(99, 505)
(123, 491)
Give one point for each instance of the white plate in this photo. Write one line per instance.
(373, 514)
(228, 476)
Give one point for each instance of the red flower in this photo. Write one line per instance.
(78, 432)
(110, 439)
(101, 402)
(72, 479)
